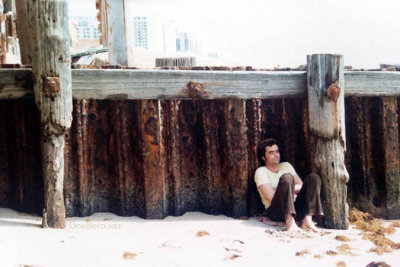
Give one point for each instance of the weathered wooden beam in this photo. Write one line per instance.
(113, 29)
(133, 84)
(325, 84)
(140, 84)
(376, 83)
(25, 33)
(48, 49)
(390, 141)
(15, 83)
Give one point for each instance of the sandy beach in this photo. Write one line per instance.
(194, 239)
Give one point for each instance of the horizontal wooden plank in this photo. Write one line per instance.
(135, 84)
(372, 83)
(15, 83)
(166, 84)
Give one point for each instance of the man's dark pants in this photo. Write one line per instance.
(308, 200)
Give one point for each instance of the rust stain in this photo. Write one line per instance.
(154, 158)
(51, 84)
(82, 149)
(196, 90)
(333, 92)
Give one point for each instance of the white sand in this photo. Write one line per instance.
(102, 239)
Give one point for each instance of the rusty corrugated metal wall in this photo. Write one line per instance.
(155, 158)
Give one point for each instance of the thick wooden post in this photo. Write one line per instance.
(325, 85)
(113, 29)
(48, 50)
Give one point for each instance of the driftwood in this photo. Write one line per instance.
(325, 82)
(46, 46)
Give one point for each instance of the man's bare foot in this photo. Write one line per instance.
(270, 222)
(309, 224)
(291, 225)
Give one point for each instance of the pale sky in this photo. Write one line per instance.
(265, 34)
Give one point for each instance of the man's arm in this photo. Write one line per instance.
(267, 191)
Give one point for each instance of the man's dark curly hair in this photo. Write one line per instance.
(261, 148)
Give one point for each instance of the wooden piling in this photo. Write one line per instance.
(45, 41)
(325, 84)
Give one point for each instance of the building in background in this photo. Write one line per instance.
(151, 37)
(84, 32)
(186, 42)
(140, 32)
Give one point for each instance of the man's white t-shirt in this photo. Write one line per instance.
(265, 176)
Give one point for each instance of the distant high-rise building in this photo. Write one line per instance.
(87, 27)
(140, 32)
(185, 42)
(152, 37)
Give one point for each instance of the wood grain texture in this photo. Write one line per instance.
(141, 84)
(47, 49)
(133, 84)
(16, 83)
(25, 33)
(325, 82)
(372, 83)
(114, 30)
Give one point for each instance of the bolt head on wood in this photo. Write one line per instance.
(196, 89)
(51, 84)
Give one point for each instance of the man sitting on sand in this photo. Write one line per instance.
(278, 184)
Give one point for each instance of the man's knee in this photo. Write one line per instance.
(287, 178)
(314, 178)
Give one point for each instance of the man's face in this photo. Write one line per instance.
(272, 155)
